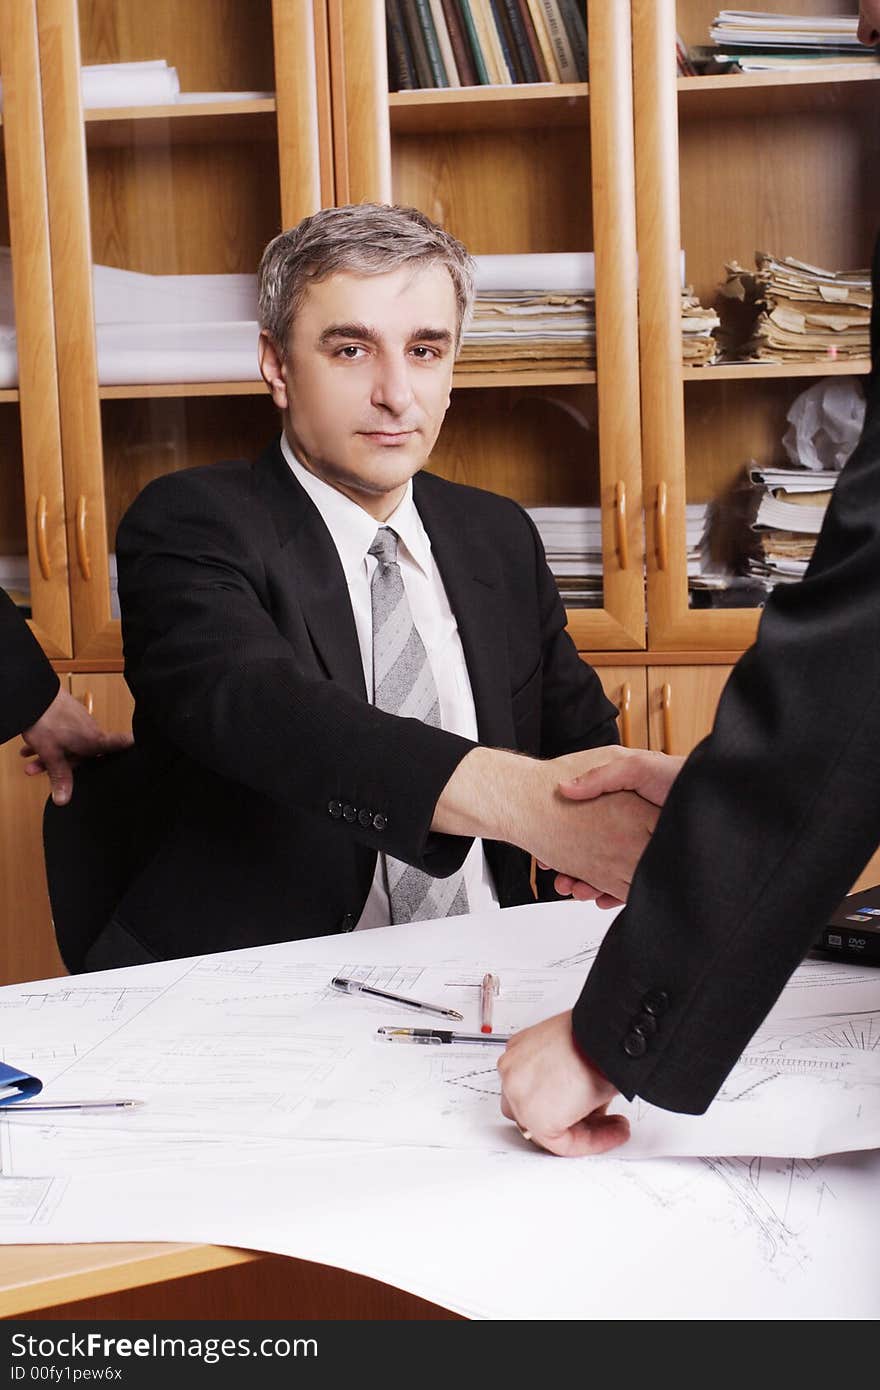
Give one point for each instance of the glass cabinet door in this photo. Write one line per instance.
(758, 201)
(536, 178)
(180, 139)
(33, 549)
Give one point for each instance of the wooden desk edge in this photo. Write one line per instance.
(42, 1276)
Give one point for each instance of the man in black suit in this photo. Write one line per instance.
(338, 660)
(56, 729)
(763, 831)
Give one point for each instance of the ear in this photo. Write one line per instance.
(273, 369)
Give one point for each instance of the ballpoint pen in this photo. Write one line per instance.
(488, 989)
(32, 1107)
(356, 987)
(440, 1035)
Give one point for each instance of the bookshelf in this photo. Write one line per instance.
(727, 165)
(524, 168)
(635, 161)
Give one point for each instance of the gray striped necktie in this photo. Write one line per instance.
(403, 684)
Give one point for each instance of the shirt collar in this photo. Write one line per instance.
(354, 530)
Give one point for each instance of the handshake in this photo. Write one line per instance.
(588, 815)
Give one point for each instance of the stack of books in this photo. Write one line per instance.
(791, 506)
(759, 41)
(471, 43)
(802, 313)
(532, 311)
(572, 538)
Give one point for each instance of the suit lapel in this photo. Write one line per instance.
(472, 579)
(313, 573)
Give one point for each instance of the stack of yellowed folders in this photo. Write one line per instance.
(803, 313)
(699, 346)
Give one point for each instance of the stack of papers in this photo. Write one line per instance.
(151, 83)
(803, 313)
(791, 509)
(157, 328)
(532, 311)
(15, 579)
(699, 346)
(572, 538)
(763, 29)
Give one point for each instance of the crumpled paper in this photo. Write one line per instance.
(825, 423)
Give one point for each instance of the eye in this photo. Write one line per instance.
(351, 352)
(424, 353)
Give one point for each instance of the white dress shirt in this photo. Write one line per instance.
(353, 531)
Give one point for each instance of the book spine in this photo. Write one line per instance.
(445, 43)
(505, 38)
(435, 57)
(559, 40)
(482, 12)
(539, 20)
(470, 26)
(532, 41)
(467, 71)
(401, 68)
(575, 23)
(513, 10)
(417, 42)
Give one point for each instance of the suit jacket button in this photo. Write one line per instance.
(634, 1045)
(349, 813)
(379, 821)
(656, 1002)
(646, 1024)
(365, 818)
(335, 809)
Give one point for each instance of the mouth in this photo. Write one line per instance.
(388, 439)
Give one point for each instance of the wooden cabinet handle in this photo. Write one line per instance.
(82, 548)
(40, 521)
(620, 524)
(666, 715)
(625, 712)
(662, 540)
(88, 699)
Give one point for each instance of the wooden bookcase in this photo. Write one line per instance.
(632, 166)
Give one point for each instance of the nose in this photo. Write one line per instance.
(392, 385)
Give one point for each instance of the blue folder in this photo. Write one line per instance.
(17, 1085)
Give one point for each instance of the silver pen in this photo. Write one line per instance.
(31, 1107)
(357, 987)
(440, 1035)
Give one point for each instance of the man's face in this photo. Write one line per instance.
(366, 381)
(869, 22)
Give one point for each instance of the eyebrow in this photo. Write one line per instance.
(337, 331)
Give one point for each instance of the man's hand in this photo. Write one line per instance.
(650, 775)
(506, 796)
(60, 737)
(554, 1096)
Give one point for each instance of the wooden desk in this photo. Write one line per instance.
(190, 1281)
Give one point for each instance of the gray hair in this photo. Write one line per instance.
(364, 239)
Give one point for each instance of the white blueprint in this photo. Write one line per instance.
(273, 1119)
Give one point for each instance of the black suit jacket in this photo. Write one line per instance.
(28, 685)
(770, 821)
(277, 781)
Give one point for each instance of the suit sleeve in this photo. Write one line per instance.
(214, 676)
(767, 826)
(28, 685)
